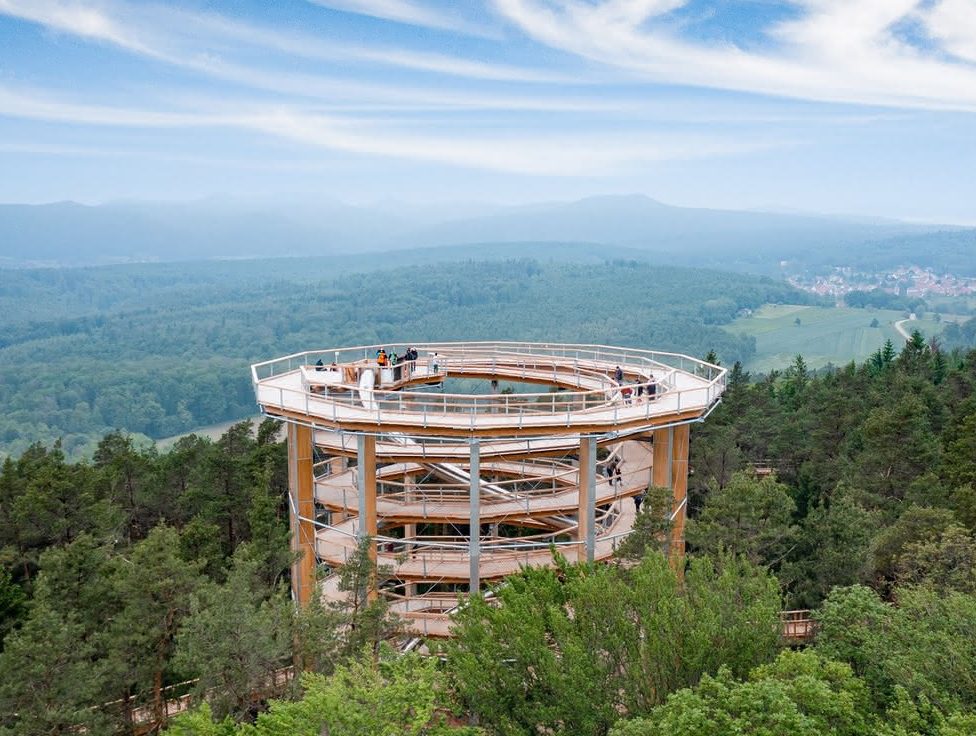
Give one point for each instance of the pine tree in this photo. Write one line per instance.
(269, 532)
(887, 353)
(939, 367)
(237, 635)
(12, 603)
(50, 678)
(651, 525)
(749, 516)
(154, 585)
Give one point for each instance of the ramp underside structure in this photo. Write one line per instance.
(468, 461)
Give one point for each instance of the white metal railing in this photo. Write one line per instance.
(534, 483)
(555, 474)
(589, 365)
(345, 537)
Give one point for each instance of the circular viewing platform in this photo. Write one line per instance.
(464, 462)
(586, 388)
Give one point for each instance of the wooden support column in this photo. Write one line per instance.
(670, 470)
(679, 493)
(301, 511)
(366, 472)
(661, 466)
(474, 523)
(586, 503)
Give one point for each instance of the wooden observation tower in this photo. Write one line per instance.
(466, 461)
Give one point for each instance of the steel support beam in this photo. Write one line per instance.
(366, 472)
(586, 512)
(474, 529)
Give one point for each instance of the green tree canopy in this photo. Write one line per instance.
(234, 638)
(800, 694)
(573, 648)
(749, 516)
(923, 644)
(394, 696)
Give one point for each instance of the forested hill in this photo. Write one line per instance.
(851, 492)
(67, 233)
(160, 350)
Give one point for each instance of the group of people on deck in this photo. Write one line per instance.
(384, 359)
(626, 392)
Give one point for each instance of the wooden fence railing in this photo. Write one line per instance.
(796, 627)
(177, 700)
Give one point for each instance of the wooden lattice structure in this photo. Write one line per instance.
(467, 461)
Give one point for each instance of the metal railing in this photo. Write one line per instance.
(579, 365)
(538, 479)
(344, 538)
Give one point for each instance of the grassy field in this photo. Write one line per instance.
(825, 334)
(214, 432)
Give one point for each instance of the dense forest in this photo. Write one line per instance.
(852, 492)
(164, 349)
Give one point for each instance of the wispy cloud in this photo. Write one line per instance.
(410, 13)
(592, 154)
(187, 38)
(836, 50)
(84, 20)
(33, 105)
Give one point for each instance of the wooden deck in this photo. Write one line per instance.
(598, 403)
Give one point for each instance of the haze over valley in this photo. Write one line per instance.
(68, 233)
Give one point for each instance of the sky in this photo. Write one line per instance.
(837, 106)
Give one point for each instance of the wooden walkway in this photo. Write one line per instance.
(600, 404)
(451, 503)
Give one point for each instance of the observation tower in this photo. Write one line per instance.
(463, 462)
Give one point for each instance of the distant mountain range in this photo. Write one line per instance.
(67, 233)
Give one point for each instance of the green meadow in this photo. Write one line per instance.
(824, 334)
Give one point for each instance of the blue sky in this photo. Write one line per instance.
(854, 106)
